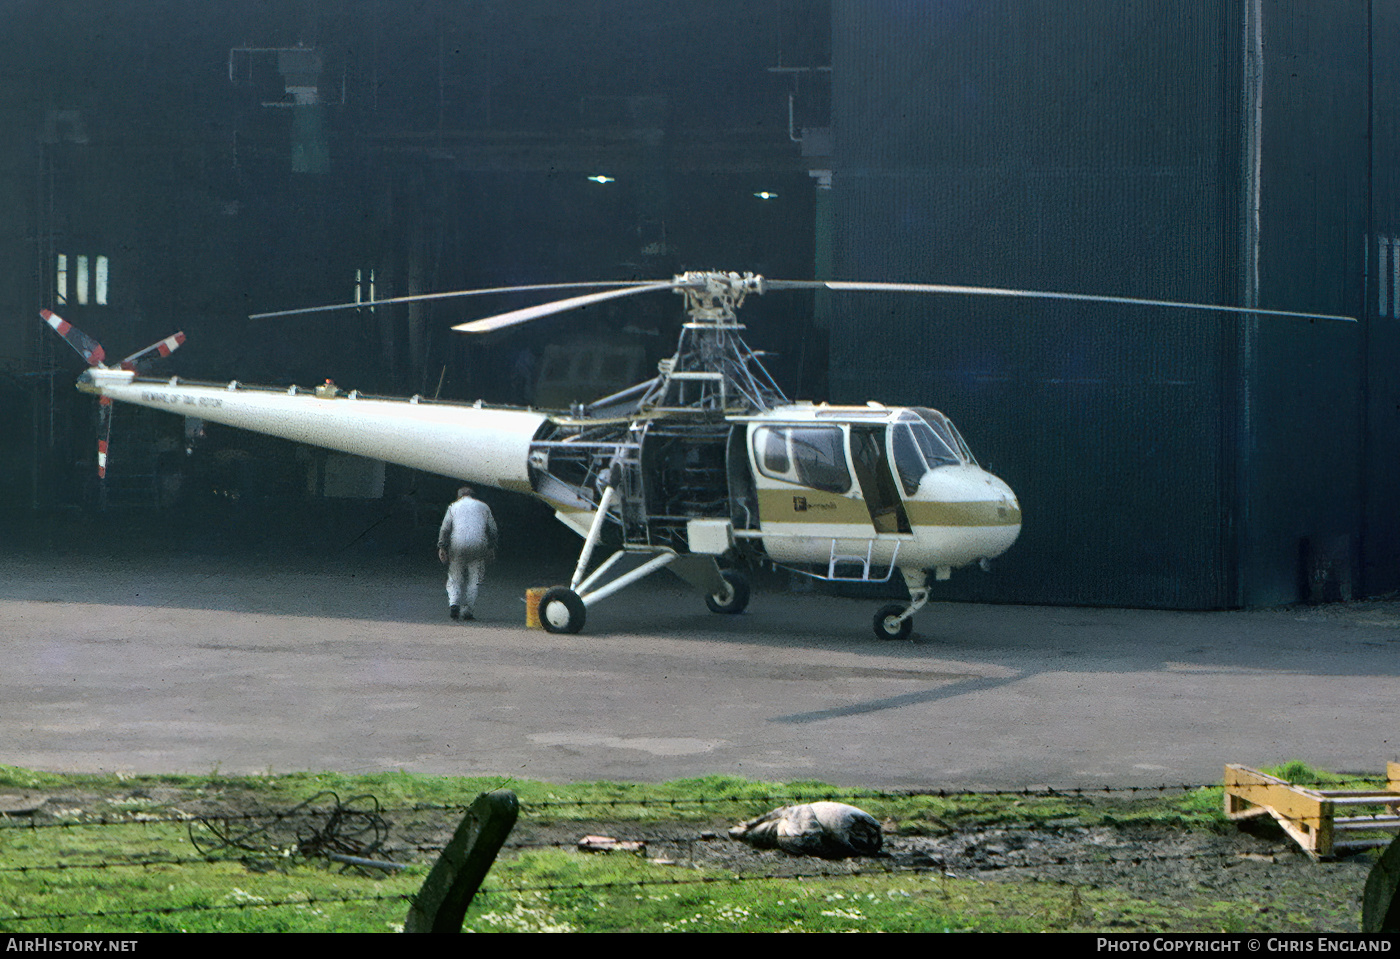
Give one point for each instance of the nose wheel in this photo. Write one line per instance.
(894, 622)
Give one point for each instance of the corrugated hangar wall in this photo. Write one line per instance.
(1163, 458)
(1381, 343)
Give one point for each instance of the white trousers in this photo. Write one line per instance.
(463, 578)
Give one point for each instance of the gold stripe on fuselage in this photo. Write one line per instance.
(970, 513)
(801, 505)
(797, 505)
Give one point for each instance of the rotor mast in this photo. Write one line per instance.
(713, 369)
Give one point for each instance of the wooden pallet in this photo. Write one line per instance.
(1310, 815)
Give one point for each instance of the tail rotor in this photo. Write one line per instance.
(93, 354)
(104, 433)
(160, 349)
(89, 349)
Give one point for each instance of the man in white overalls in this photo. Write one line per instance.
(466, 542)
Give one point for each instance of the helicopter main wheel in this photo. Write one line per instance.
(888, 625)
(733, 600)
(562, 611)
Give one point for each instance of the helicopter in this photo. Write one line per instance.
(704, 469)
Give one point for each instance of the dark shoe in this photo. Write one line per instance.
(454, 611)
(466, 615)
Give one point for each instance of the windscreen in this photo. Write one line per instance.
(925, 440)
(944, 427)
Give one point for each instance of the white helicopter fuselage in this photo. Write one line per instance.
(840, 492)
(873, 487)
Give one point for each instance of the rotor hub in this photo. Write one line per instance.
(713, 298)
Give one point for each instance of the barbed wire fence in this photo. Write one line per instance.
(354, 836)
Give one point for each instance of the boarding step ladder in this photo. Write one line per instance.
(848, 559)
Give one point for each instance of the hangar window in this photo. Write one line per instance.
(813, 456)
(1388, 276)
(85, 278)
(364, 286)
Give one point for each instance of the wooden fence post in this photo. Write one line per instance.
(441, 904)
(1380, 902)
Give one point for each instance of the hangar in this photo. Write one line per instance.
(176, 166)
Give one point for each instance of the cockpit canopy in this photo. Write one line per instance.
(923, 440)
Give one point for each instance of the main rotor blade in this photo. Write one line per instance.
(1037, 295)
(515, 317)
(420, 297)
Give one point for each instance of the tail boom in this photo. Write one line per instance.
(480, 445)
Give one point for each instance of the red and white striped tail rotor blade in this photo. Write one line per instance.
(87, 347)
(104, 433)
(163, 348)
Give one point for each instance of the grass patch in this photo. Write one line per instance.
(629, 896)
(1300, 773)
(110, 854)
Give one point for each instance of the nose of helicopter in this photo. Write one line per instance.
(992, 511)
(1007, 510)
(965, 515)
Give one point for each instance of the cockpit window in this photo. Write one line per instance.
(944, 427)
(908, 461)
(813, 456)
(935, 448)
(771, 446)
(820, 455)
(924, 440)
